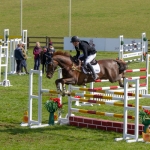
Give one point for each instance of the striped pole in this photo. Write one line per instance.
(107, 92)
(136, 70)
(140, 77)
(97, 96)
(101, 113)
(138, 59)
(107, 103)
(104, 88)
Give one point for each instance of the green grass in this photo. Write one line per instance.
(14, 101)
(90, 18)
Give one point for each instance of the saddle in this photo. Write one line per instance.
(87, 70)
(95, 66)
(93, 62)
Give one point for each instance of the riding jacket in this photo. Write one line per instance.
(85, 48)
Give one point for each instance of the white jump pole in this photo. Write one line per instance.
(13, 46)
(4, 55)
(6, 37)
(24, 38)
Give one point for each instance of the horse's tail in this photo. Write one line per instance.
(122, 66)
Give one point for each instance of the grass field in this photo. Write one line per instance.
(90, 18)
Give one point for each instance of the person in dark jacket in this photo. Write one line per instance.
(36, 52)
(18, 57)
(50, 52)
(43, 57)
(89, 53)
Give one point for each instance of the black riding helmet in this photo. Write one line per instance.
(75, 39)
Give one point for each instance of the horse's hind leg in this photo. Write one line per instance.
(118, 78)
(121, 83)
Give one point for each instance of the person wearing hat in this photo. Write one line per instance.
(89, 53)
(43, 57)
(50, 49)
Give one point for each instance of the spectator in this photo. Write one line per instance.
(24, 63)
(43, 57)
(18, 57)
(36, 52)
(50, 49)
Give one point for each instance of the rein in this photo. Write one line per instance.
(75, 68)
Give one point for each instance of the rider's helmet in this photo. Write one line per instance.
(75, 39)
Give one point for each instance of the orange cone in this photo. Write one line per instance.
(55, 117)
(25, 117)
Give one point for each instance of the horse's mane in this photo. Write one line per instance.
(62, 53)
(67, 55)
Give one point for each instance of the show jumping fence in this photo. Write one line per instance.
(135, 49)
(133, 129)
(111, 92)
(38, 123)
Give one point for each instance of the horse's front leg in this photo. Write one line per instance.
(58, 82)
(63, 81)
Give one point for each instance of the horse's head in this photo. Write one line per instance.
(59, 58)
(51, 66)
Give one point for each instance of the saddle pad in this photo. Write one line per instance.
(96, 69)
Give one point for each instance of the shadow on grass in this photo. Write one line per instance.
(15, 129)
(56, 130)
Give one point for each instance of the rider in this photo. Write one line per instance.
(89, 53)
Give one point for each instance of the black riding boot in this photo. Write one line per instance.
(95, 76)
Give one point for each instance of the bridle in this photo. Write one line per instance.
(49, 61)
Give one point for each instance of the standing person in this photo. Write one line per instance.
(24, 63)
(36, 52)
(89, 53)
(18, 57)
(43, 57)
(50, 51)
(50, 48)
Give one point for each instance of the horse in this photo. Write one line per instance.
(72, 73)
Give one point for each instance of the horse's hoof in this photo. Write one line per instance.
(59, 92)
(122, 85)
(63, 94)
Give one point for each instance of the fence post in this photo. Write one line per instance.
(27, 42)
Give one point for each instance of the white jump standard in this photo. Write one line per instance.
(133, 50)
(4, 57)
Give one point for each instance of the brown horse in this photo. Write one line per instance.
(110, 69)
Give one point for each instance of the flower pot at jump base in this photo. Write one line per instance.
(146, 124)
(51, 118)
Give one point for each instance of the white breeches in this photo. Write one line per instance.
(90, 58)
